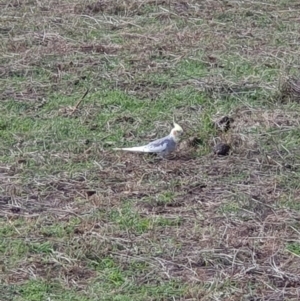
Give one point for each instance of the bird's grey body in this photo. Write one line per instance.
(162, 146)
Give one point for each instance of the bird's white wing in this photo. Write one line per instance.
(159, 145)
(142, 149)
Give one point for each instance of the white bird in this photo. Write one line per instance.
(162, 146)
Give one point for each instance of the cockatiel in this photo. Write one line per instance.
(162, 146)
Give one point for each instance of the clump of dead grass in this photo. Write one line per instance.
(289, 90)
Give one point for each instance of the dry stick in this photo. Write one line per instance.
(79, 102)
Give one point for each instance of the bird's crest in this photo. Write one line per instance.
(176, 131)
(177, 127)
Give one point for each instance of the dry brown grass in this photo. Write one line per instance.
(95, 222)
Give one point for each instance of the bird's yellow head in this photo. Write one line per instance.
(177, 131)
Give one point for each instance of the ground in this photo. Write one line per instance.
(80, 221)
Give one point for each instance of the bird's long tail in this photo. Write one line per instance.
(142, 149)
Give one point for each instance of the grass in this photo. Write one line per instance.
(79, 221)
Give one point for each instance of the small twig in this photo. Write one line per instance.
(79, 102)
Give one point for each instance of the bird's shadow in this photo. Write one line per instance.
(155, 158)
